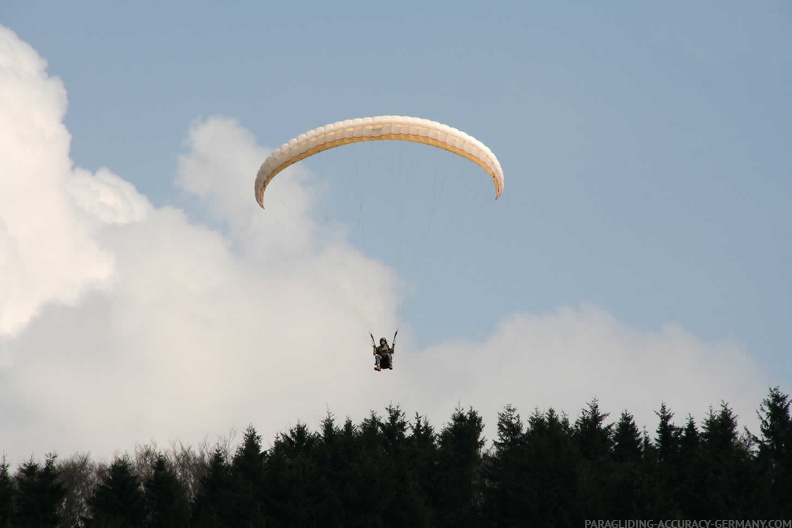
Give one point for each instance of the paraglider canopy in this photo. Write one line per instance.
(399, 128)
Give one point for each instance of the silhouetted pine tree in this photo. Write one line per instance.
(667, 439)
(346, 497)
(507, 491)
(667, 449)
(728, 482)
(39, 494)
(406, 505)
(655, 503)
(333, 453)
(687, 491)
(421, 452)
(593, 439)
(6, 496)
(292, 479)
(627, 440)
(118, 501)
(551, 462)
(626, 490)
(214, 501)
(371, 487)
(166, 497)
(248, 481)
(459, 484)
(775, 453)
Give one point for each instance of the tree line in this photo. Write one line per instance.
(544, 470)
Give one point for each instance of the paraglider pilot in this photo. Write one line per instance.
(383, 354)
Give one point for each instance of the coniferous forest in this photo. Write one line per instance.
(542, 469)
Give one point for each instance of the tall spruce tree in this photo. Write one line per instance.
(213, 502)
(166, 497)
(687, 491)
(593, 439)
(775, 452)
(248, 481)
(369, 484)
(626, 490)
(421, 453)
(666, 443)
(332, 455)
(551, 462)
(727, 484)
(39, 494)
(627, 440)
(27, 511)
(292, 478)
(406, 505)
(459, 486)
(118, 501)
(507, 491)
(6, 496)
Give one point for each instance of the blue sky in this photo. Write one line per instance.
(645, 149)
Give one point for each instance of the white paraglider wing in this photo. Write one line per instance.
(398, 128)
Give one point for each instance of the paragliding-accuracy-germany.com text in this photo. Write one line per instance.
(687, 523)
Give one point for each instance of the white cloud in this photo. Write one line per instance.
(566, 358)
(48, 252)
(123, 323)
